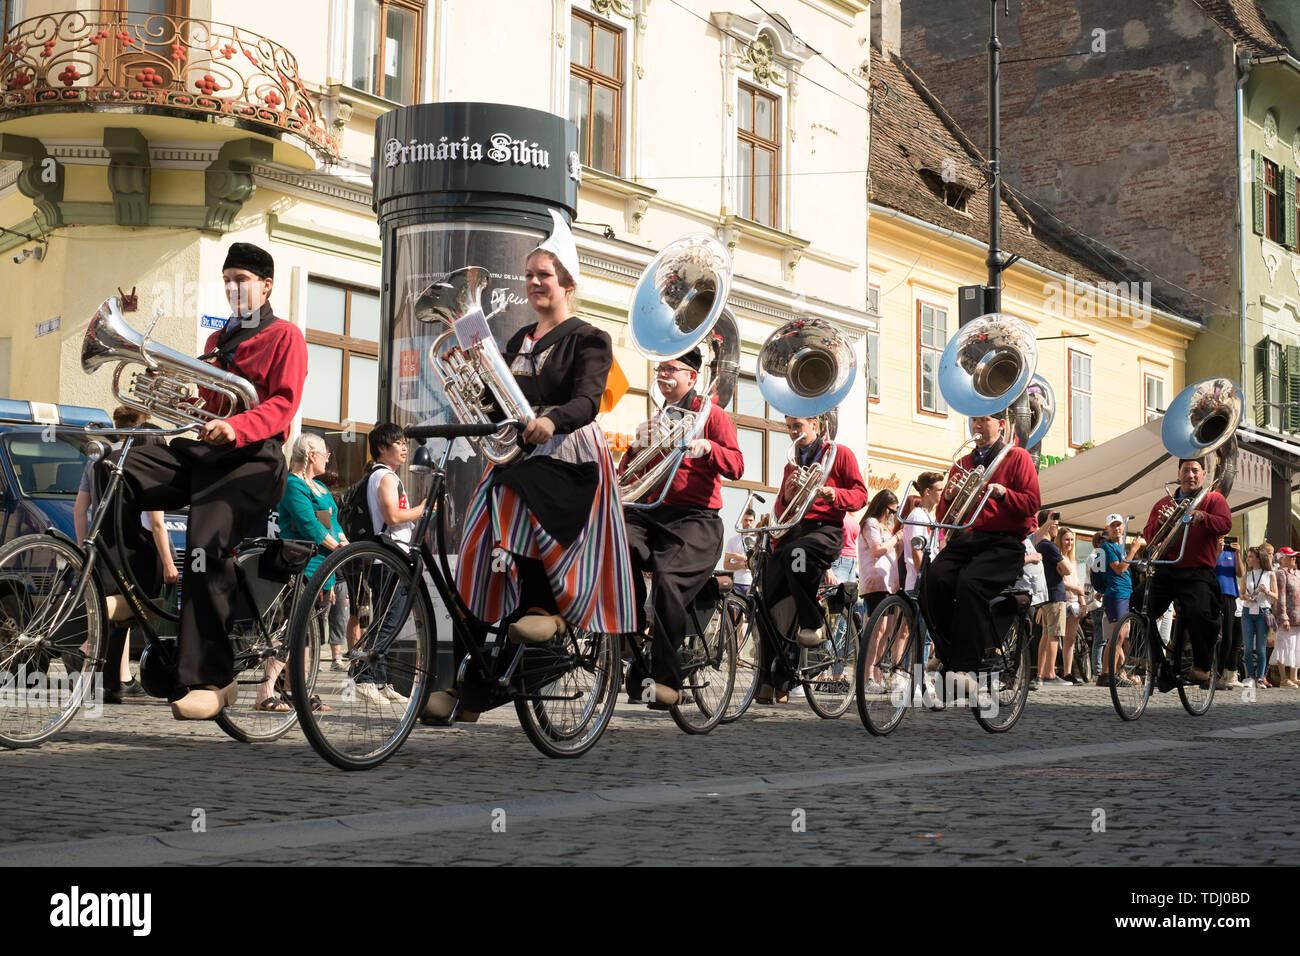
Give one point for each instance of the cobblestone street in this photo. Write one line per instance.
(1070, 784)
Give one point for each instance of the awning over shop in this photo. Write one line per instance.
(1127, 475)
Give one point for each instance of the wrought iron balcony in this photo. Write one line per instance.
(157, 64)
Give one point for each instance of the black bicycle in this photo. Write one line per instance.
(890, 678)
(54, 619)
(1140, 662)
(564, 691)
(708, 660)
(825, 672)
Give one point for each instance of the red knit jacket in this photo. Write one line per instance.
(275, 361)
(1015, 511)
(1202, 549)
(698, 481)
(845, 478)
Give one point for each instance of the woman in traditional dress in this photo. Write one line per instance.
(545, 546)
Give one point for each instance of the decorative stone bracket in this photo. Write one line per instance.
(636, 197)
(42, 178)
(129, 175)
(228, 182)
(731, 229)
(1272, 259)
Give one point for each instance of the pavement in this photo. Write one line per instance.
(1070, 784)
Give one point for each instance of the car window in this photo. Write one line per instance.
(46, 469)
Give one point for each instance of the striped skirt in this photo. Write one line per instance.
(591, 579)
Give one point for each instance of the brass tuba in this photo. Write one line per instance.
(162, 387)
(805, 369)
(1201, 421)
(986, 369)
(679, 303)
(475, 378)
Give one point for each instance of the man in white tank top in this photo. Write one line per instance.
(390, 515)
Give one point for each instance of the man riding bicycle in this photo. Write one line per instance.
(679, 540)
(979, 562)
(1191, 581)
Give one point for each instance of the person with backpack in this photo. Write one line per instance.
(389, 513)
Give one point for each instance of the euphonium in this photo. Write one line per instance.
(808, 478)
(678, 304)
(162, 388)
(476, 380)
(986, 369)
(1201, 420)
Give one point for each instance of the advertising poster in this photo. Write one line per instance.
(443, 271)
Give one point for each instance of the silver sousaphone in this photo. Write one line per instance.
(680, 304)
(805, 369)
(1201, 422)
(987, 368)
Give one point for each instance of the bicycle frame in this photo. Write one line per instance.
(465, 624)
(639, 652)
(96, 549)
(760, 610)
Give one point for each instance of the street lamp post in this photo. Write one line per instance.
(993, 294)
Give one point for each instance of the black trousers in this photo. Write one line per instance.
(678, 546)
(973, 568)
(1229, 634)
(1200, 603)
(795, 570)
(229, 492)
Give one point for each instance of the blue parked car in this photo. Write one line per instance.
(39, 477)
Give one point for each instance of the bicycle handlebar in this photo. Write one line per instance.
(456, 430)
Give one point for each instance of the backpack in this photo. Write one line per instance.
(354, 511)
(1097, 569)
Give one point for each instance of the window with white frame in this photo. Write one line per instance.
(931, 336)
(1080, 399)
(1153, 391)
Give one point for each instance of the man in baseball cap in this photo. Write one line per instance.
(1116, 596)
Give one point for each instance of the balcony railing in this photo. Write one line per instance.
(194, 67)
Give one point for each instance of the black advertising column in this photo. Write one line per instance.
(460, 186)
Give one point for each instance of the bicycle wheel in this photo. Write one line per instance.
(827, 671)
(708, 673)
(49, 646)
(1196, 696)
(1135, 676)
(569, 689)
(891, 650)
(260, 672)
(359, 717)
(745, 685)
(1007, 679)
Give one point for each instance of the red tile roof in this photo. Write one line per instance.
(1246, 25)
(918, 150)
